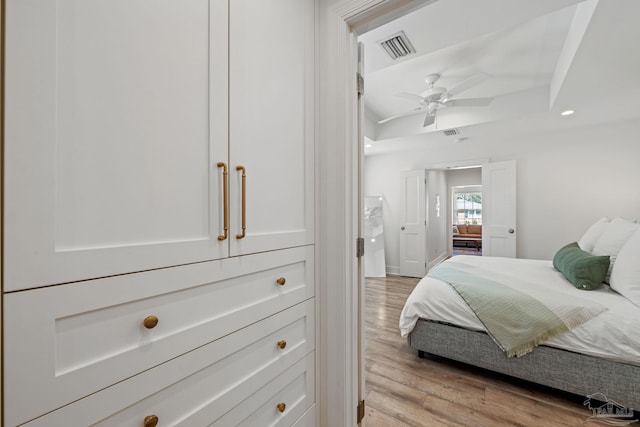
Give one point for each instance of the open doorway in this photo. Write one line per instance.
(466, 230)
(336, 118)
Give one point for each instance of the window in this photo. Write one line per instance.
(468, 208)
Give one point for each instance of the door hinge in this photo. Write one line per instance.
(360, 84)
(359, 247)
(360, 411)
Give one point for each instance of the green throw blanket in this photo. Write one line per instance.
(516, 315)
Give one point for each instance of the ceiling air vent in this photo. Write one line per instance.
(451, 132)
(397, 46)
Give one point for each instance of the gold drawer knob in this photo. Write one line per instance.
(282, 344)
(150, 421)
(150, 322)
(281, 407)
(281, 281)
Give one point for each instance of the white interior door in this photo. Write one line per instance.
(413, 225)
(499, 209)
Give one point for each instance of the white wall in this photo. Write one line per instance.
(459, 177)
(565, 181)
(436, 225)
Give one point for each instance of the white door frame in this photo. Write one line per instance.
(337, 201)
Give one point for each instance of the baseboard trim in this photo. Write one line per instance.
(393, 270)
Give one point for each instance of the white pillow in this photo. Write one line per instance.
(625, 277)
(589, 238)
(615, 235)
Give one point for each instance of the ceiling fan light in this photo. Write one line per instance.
(567, 112)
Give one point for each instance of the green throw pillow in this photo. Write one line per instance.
(583, 270)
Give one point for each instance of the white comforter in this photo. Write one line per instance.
(614, 334)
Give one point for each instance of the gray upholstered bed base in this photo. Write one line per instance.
(560, 369)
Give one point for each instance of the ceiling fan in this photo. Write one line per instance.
(434, 97)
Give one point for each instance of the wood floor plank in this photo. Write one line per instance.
(405, 390)
(404, 413)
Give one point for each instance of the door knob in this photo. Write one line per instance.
(511, 231)
(402, 228)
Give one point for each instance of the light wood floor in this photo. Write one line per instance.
(404, 390)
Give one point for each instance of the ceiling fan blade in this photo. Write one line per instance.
(410, 96)
(468, 83)
(397, 116)
(429, 120)
(468, 102)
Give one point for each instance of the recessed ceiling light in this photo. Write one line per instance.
(368, 145)
(567, 113)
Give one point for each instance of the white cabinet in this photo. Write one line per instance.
(119, 121)
(116, 116)
(159, 212)
(241, 377)
(94, 334)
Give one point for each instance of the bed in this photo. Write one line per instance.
(600, 355)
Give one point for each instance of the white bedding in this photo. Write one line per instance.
(614, 334)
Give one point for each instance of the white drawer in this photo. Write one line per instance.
(308, 419)
(293, 390)
(213, 381)
(65, 342)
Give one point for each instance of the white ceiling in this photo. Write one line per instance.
(543, 57)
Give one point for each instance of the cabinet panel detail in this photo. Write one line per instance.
(279, 403)
(132, 122)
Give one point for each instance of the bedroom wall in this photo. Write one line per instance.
(565, 181)
(436, 225)
(459, 177)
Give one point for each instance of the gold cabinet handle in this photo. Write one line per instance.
(244, 201)
(225, 197)
(281, 281)
(150, 421)
(282, 344)
(150, 322)
(281, 406)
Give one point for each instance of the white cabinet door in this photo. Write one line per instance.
(116, 118)
(271, 109)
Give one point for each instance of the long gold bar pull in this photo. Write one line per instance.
(225, 197)
(244, 201)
